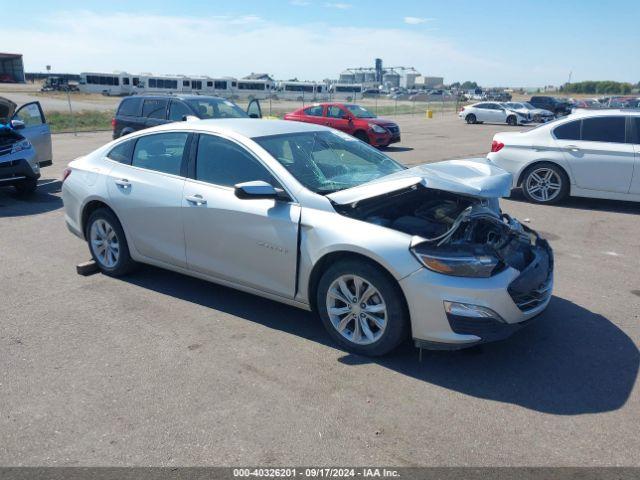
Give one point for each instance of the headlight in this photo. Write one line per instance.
(458, 260)
(377, 128)
(20, 146)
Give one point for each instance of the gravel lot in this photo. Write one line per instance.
(162, 369)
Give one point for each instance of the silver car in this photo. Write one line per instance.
(312, 217)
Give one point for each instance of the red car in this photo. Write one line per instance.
(352, 119)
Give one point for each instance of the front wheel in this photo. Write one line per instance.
(108, 244)
(360, 135)
(545, 183)
(512, 120)
(362, 308)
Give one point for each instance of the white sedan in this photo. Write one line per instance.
(588, 154)
(492, 112)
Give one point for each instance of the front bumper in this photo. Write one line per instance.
(17, 170)
(434, 328)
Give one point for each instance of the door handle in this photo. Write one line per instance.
(195, 199)
(124, 183)
(573, 148)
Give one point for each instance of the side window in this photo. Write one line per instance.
(30, 114)
(161, 152)
(568, 131)
(484, 106)
(222, 162)
(603, 129)
(155, 108)
(335, 112)
(130, 107)
(635, 130)
(315, 111)
(122, 152)
(177, 110)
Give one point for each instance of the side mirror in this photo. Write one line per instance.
(17, 124)
(255, 190)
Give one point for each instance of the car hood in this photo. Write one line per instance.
(379, 121)
(473, 177)
(7, 109)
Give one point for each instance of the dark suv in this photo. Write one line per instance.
(138, 112)
(558, 106)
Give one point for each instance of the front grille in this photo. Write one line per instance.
(12, 163)
(533, 286)
(481, 327)
(394, 129)
(533, 298)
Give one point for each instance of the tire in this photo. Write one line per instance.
(114, 262)
(374, 333)
(512, 120)
(541, 175)
(471, 119)
(360, 135)
(27, 187)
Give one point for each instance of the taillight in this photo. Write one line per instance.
(65, 174)
(113, 123)
(496, 146)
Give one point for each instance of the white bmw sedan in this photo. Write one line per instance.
(315, 218)
(591, 153)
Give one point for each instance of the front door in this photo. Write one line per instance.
(154, 111)
(36, 130)
(252, 242)
(338, 118)
(601, 160)
(147, 195)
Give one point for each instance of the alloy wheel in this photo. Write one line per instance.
(104, 243)
(356, 309)
(543, 184)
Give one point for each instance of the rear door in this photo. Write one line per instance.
(601, 159)
(36, 131)
(145, 188)
(154, 111)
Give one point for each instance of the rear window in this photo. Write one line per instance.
(568, 131)
(315, 111)
(155, 108)
(130, 107)
(603, 129)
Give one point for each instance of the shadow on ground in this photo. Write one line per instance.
(570, 361)
(45, 199)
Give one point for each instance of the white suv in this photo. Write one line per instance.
(587, 154)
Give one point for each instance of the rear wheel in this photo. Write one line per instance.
(471, 118)
(360, 135)
(108, 244)
(26, 187)
(362, 308)
(545, 183)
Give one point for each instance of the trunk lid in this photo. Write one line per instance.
(472, 177)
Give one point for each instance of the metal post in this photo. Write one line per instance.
(73, 120)
(269, 105)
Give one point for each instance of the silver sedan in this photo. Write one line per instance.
(317, 219)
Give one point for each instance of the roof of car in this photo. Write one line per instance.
(174, 95)
(604, 112)
(247, 127)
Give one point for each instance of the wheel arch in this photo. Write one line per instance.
(330, 258)
(90, 207)
(538, 162)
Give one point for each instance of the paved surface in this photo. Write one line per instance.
(162, 369)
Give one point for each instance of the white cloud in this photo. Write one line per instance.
(340, 6)
(415, 20)
(85, 41)
(300, 3)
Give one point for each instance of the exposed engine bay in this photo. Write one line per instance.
(8, 136)
(455, 228)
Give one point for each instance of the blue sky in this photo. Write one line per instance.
(509, 43)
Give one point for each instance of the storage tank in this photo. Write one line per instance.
(370, 76)
(358, 77)
(391, 79)
(347, 77)
(409, 80)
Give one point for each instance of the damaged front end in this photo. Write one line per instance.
(464, 236)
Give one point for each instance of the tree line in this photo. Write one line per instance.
(598, 87)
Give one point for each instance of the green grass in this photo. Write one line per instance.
(85, 121)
